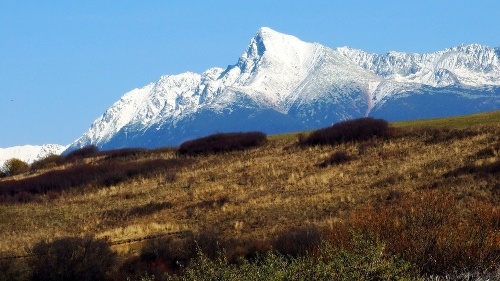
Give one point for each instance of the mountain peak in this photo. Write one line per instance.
(281, 83)
(269, 40)
(271, 45)
(263, 31)
(269, 51)
(266, 34)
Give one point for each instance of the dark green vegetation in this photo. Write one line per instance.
(348, 131)
(14, 167)
(379, 202)
(223, 142)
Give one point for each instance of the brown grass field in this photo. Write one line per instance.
(431, 189)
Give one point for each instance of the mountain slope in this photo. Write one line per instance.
(281, 84)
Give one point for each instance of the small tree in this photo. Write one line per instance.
(15, 166)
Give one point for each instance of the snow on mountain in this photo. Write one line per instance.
(29, 153)
(142, 108)
(271, 67)
(472, 65)
(281, 83)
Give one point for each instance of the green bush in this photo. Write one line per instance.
(15, 166)
(73, 258)
(366, 260)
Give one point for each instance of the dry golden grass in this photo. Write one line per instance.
(256, 193)
(480, 119)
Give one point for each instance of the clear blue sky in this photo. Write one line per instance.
(63, 63)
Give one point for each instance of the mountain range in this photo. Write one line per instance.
(282, 84)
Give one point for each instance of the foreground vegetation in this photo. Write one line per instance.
(413, 200)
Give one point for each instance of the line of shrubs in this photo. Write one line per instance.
(16, 166)
(352, 130)
(78, 176)
(212, 144)
(116, 165)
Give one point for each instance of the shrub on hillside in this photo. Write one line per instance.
(103, 174)
(222, 142)
(47, 162)
(436, 230)
(365, 261)
(81, 153)
(124, 153)
(347, 131)
(206, 257)
(15, 166)
(73, 258)
(168, 254)
(164, 254)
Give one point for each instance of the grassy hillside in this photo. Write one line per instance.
(430, 193)
(480, 119)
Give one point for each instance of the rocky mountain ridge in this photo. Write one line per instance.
(282, 84)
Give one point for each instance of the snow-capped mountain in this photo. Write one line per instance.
(282, 84)
(29, 153)
(473, 65)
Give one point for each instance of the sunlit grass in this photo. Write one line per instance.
(489, 118)
(254, 194)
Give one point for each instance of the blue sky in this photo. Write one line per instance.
(63, 63)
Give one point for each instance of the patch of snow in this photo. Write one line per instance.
(29, 153)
